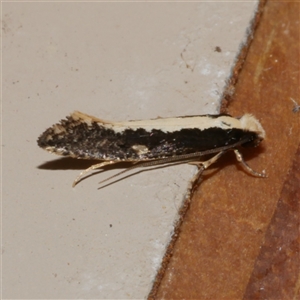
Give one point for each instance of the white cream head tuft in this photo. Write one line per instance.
(250, 123)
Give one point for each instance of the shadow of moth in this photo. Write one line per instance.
(152, 142)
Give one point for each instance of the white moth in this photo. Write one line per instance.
(152, 142)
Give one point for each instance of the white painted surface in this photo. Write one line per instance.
(116, 61)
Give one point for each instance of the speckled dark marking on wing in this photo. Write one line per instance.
(78, 139)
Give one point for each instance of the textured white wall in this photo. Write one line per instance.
(115, 61)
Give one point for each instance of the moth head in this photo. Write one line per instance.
(250, 123)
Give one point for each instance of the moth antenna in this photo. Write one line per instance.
(143, 165)
(91, 168)
(116, 175)
(186, 158)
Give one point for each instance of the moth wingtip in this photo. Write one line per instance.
(77, 115)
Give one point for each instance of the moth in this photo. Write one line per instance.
(145, 143)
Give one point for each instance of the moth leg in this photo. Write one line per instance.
(240, 159)
(91, 168)
(205, 164)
